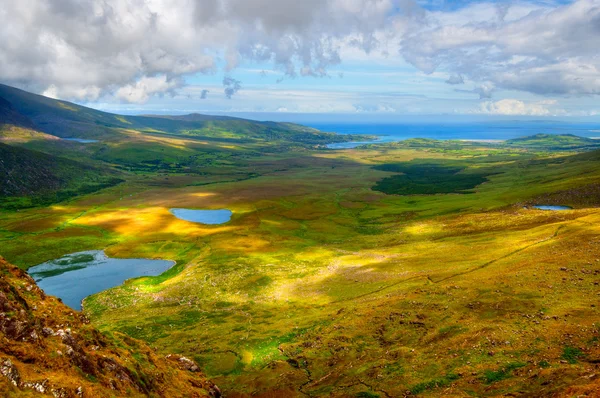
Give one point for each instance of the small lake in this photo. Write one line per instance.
(209, 217)
(552, 207)
(78, 275)
(81, 140)
(354, 144)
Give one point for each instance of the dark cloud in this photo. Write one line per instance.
(455, 79)
(232, 86)
(204, 94)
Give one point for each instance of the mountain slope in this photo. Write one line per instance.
(31, 178)
(65, 119)
(46, 347)
(10, 116)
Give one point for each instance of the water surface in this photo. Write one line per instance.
(81, 140)
(78, 275)
(354, 144)
(552, 207)
(210, 217)
(498, 130)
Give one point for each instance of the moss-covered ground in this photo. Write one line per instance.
(322, 286)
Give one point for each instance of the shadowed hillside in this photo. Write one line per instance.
(9, 116)
(47, 348)
(31, 178)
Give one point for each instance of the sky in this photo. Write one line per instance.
(355, 59)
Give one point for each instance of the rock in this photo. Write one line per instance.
(60, 393)
(189, 364)
(39, 386)
(8, 370)
(215, 392)
(184, 363)
(46, 331)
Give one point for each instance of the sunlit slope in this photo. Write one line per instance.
(325, 286)
(566, 142)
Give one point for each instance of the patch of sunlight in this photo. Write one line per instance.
(203, 194)
(422, 228)
(315, 254)
(122, 119)
(60, 208)
(247, 357)
(271, 222)
(146, 221)
(66, 106)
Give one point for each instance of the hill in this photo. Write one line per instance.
(46, 347)
(554, 142)
(9, 116)
(68, 120)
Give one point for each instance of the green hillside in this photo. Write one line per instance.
(556, 142)
(68, 120)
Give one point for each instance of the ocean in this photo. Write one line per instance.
(497, 130)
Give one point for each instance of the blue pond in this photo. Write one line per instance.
(551, 207)
(78, 275)
(354, 144)
(81, 140)
(210, 217)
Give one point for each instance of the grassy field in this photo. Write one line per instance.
(322, 286)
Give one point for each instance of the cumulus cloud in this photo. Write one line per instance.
(535, 48)
(83, 49)
(515, 107)
(204, 94)
(485, 90)
(134, 49)
(141, 90)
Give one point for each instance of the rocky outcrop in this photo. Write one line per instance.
(47, 348)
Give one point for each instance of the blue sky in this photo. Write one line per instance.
(371, 59)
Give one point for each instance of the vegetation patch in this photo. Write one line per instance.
(572, 354)
(435, 383)
(493, 376)
(555, 142)
(75, 259)
(366, 394)
(427, 179)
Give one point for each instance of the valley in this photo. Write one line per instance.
(419, 267)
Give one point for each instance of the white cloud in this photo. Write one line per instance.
(83, 49)
(513, 107)
(141, 90)
(134, 49)
(538, 48)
